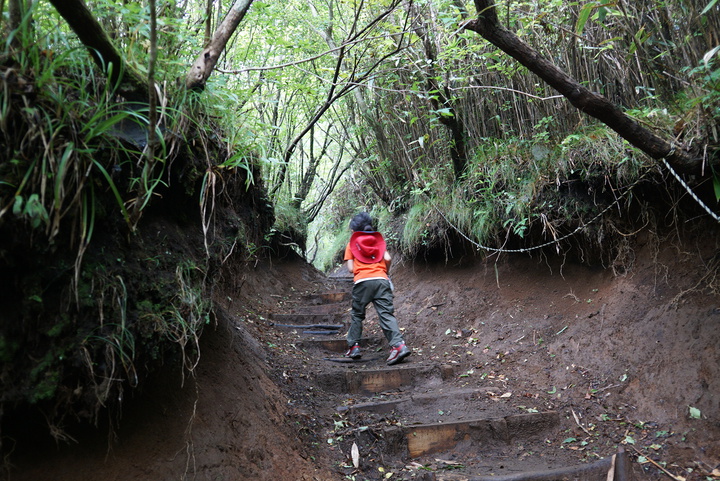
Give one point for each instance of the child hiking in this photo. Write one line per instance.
(368, 260)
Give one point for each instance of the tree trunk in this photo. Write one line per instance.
(19, 19)
(130, 82)
(308, 177)
(441, 99)
(16, 10)
(679, 157)
(205, 63)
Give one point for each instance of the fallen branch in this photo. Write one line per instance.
(676, 478)
(607, 387)
(577, 421)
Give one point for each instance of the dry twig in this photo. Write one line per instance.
(676, 478)
(577, 421)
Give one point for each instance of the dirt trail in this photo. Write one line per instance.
(620, 360)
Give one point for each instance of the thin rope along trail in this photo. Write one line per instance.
(581, 227)
(554, 241)
(689, 191)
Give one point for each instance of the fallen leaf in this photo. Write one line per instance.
(695, 413)
(355, 453)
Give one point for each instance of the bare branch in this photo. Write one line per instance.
(310, 59)
(205, 63)
(334, 93)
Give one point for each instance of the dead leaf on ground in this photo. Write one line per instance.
(355, 454)
(495, 397)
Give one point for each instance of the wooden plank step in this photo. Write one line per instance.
(328, 297)
(332, 345)
(374, 381)
(294, 319)
(413, 404)
(334, 308)
(341, 296)
(371, 381)
(313, 328)
(431, 438)
(616, 467)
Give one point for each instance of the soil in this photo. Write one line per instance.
(625, 360)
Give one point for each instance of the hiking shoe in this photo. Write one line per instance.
(398, 353)
(354, 352)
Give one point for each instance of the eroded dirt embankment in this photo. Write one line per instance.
(634, 356)
(629, 355)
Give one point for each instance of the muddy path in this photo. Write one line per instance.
(520, 367)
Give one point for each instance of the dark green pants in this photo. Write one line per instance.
(378, 292)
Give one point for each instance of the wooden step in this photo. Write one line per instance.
(468, 401)
(328, 297)
(371, 381)
(306, 319)
(436, 437)
(369, 346)
(340, 296)
(331, 345)
(616, 467)
(335, 308)
(482, 433)
(343, 280)
(313, 331)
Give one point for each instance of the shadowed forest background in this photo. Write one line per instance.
(153, 153)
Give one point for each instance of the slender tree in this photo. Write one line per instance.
(441, 98)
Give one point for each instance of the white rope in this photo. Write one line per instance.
(689, 190)
(581, 227)
(554, 241)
